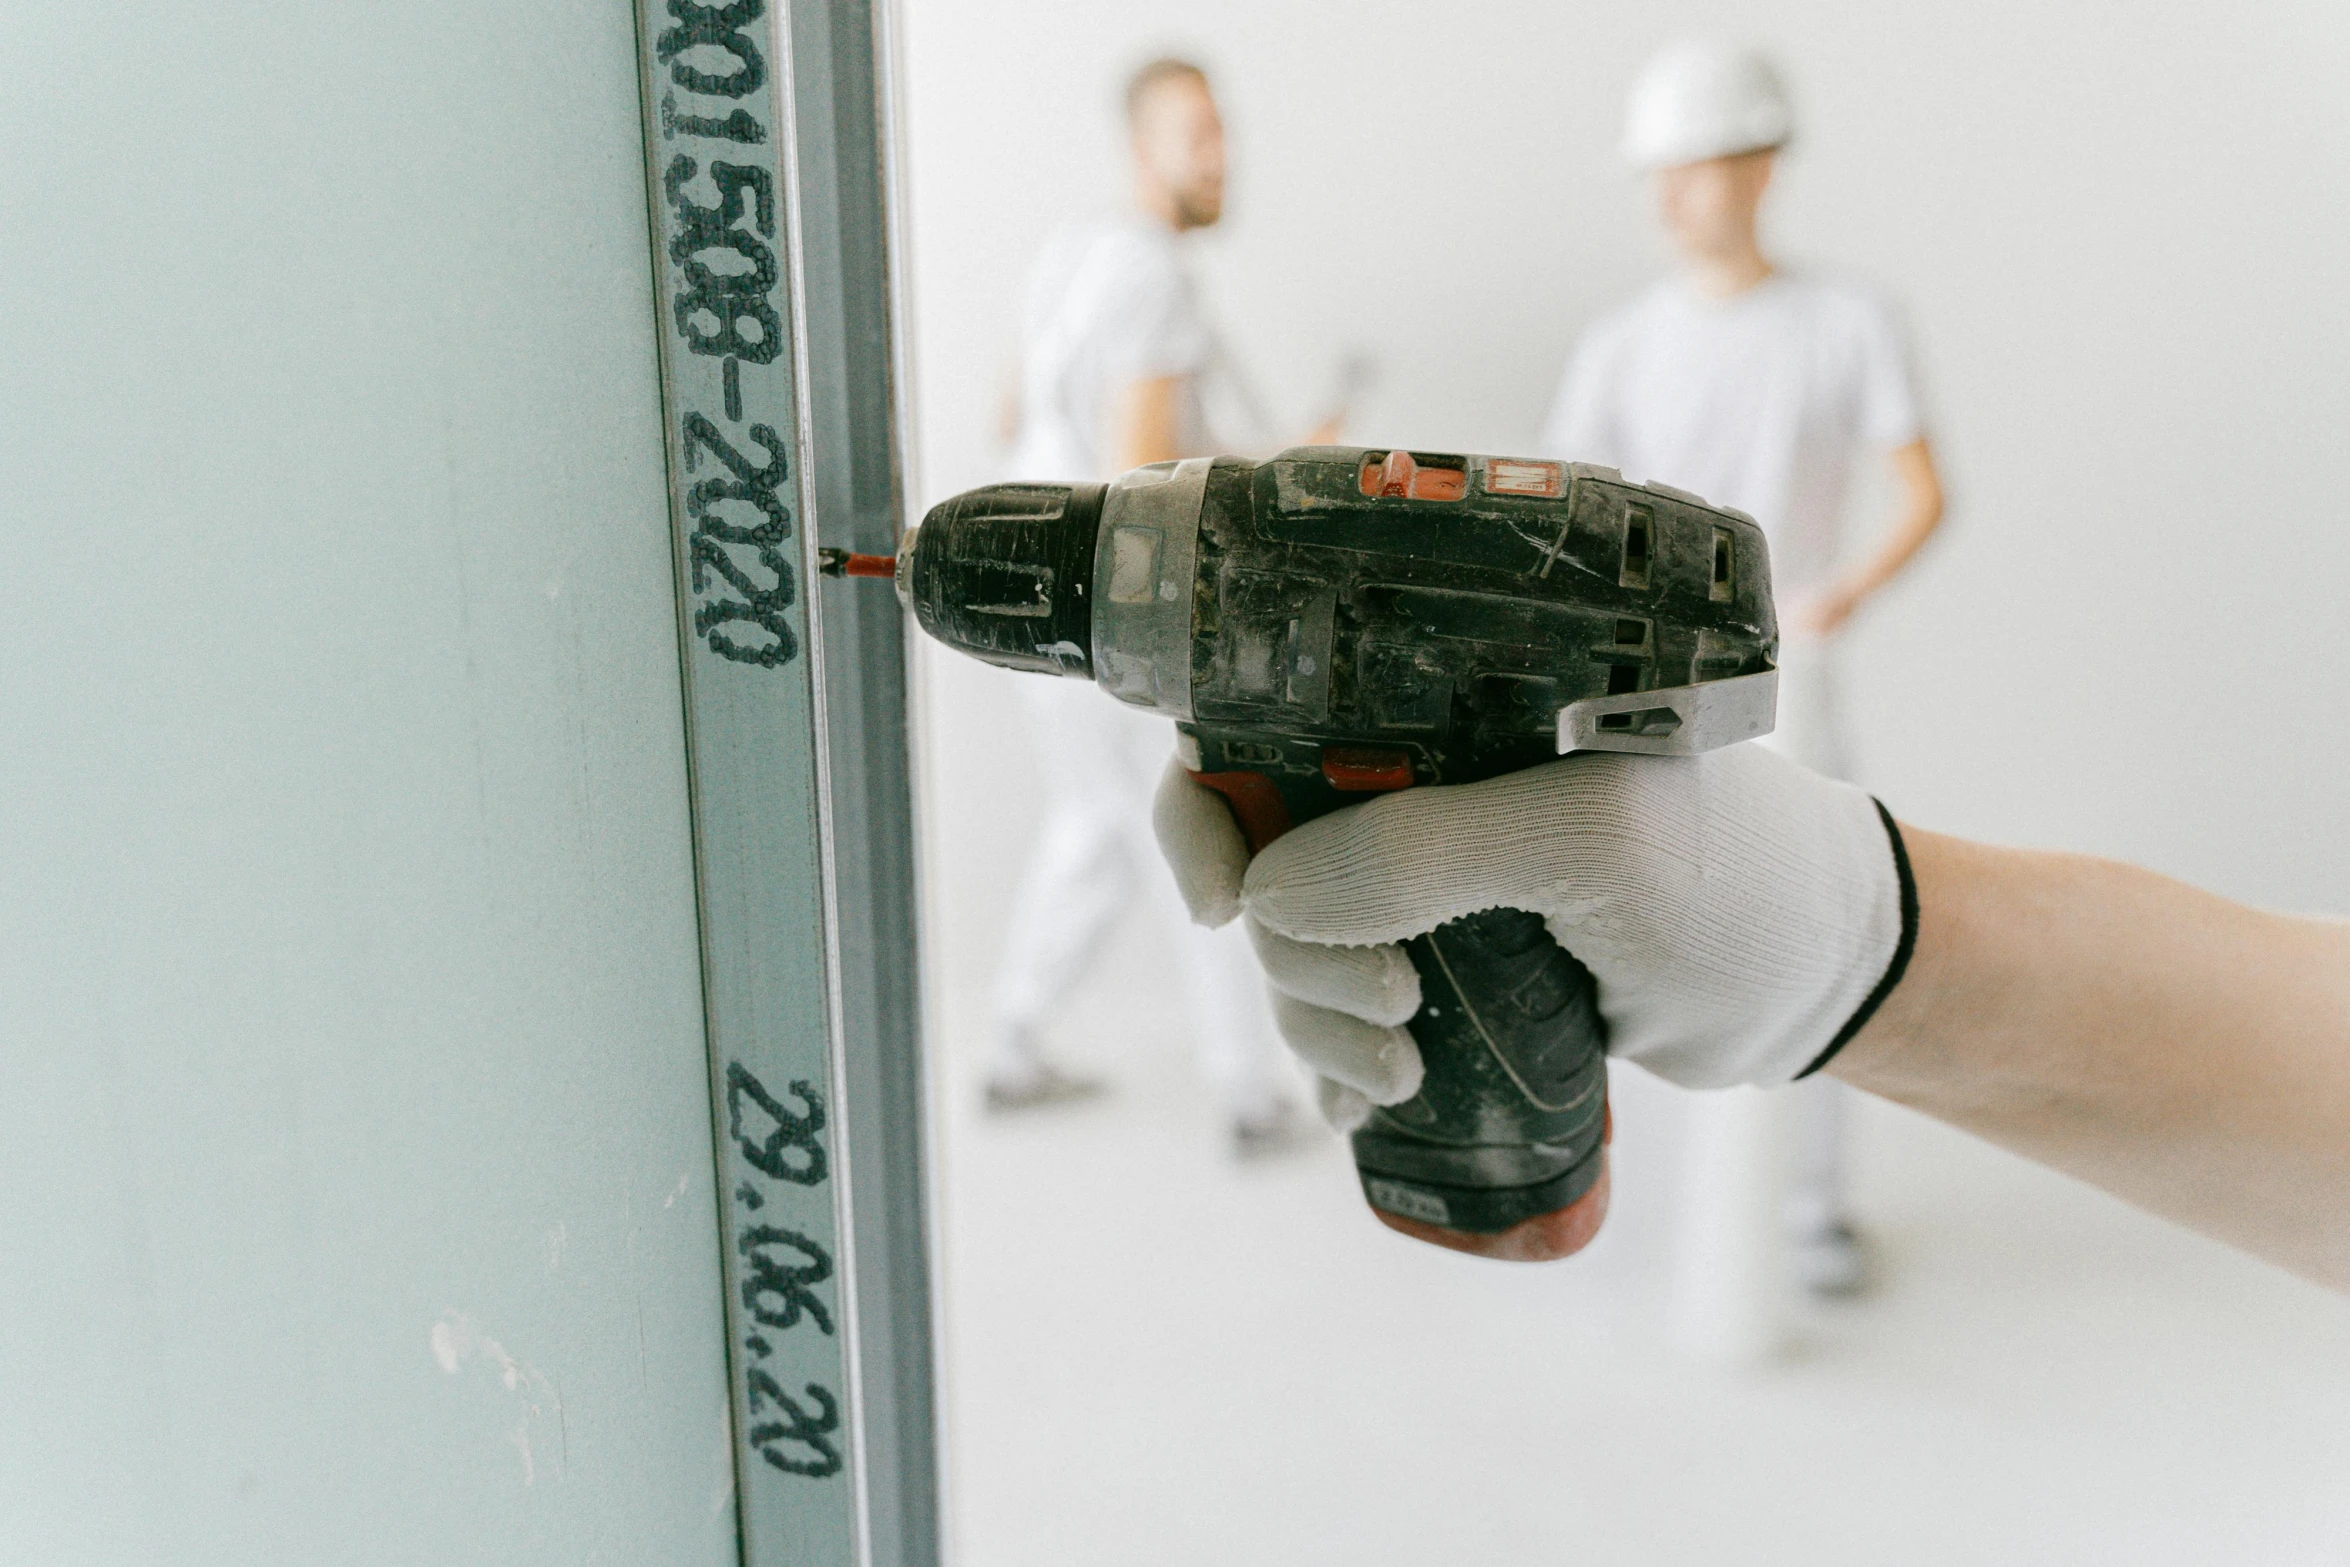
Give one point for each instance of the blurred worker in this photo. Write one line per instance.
(1121, 368)
(1762, 389)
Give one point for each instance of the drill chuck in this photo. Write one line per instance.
(1005, 573)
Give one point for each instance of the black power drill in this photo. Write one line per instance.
(1339, 621)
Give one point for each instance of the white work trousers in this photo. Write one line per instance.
(1759, 1164)
(1811, 730)
(1093, 860)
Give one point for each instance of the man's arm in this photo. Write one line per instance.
(1742, 915)
(2185, 1053)
(1144, 426)
(1915, 519)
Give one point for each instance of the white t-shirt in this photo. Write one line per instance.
(1108, 305)
(1762, 402)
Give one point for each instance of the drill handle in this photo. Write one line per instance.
(1510, 1121)
(1510, 1124)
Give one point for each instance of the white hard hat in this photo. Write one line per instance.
(1701, 100)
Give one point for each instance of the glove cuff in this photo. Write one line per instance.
(1898, 965)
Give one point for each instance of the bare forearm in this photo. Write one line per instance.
(1920, 513)
(2185, 1053)
(1908, 534)
(1145, 426)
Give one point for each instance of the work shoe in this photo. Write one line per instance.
(1037, 1087)
(1830, 1261)
(1277, 1129)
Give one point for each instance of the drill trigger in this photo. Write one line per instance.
(1256, 805)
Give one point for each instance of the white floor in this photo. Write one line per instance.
(1159, 1356)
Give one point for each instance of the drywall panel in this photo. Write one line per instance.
(355, 1189)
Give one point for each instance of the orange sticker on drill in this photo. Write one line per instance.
(1398, 473)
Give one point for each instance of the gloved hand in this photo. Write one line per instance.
(1741, 915)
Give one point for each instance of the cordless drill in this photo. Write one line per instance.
(1337, 622)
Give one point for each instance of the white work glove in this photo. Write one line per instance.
(1742, 915)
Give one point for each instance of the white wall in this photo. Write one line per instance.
(2120, 230)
